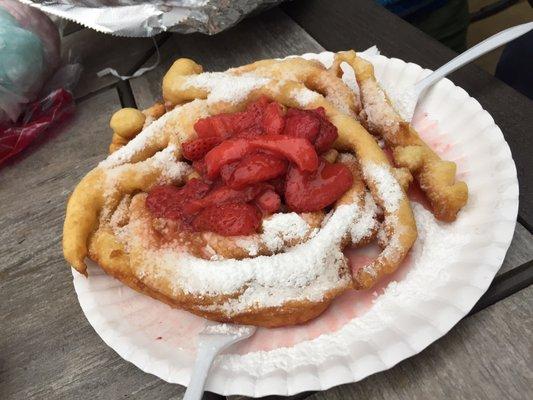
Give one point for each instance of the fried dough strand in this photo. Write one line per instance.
(435, 176)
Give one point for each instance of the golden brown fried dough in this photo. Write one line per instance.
(107, 219)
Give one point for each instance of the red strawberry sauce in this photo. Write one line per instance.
(254, 163)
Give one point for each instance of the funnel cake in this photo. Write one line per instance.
(237, 198)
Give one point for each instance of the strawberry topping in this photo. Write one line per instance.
(303, 124)
(327, 133)
(168, 201)
(255, 167)
(298, 150)
(268, 202)
(273, 120)
(250, 162)
(231, 219)
(224, 194)
(307, 192)
(196, 149)
(220, 126)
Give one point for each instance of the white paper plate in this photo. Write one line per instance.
(364, 332)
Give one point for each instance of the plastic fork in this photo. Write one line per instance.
(211, 341)
(411, 97)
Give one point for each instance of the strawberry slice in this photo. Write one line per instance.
(168, 201)
(199, 166)
(307, 192)
(279, 185)
(227, 170)
(302, 124)
(250, 133)
(253, 168)
(297, 150)
(224, 194)
(259, 117)
(221, 126)
(194, 189)
(327, 133)
(227, 152)
(321, 112)
(268, 202)
(203, 127)
(165, 202)
(273, 120)
(196, 149)
(327, 136)
(250, 119)
(230, 219)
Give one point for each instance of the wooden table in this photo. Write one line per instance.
(47, 348)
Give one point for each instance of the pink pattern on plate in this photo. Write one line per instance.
(428, 130)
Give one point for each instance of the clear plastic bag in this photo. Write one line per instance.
(38, 117)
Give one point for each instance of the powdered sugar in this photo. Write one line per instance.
(388, 188)
(368, 223)
(120, 216)
(404, 101)
(435, 240)
(171, 169)
(349, 79)
(165, 162)
(376, 109)
(304, 97)
(281, 228)
(138, 143)
(347, 158)
(225, 87)
(278, 230)
(251, 245)
(229, 329)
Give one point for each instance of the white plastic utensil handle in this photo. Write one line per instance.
(209, 345)
(471, 54)
(204, 359)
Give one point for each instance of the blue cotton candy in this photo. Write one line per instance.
(21, 64)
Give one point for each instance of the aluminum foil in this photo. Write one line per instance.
(147, 18)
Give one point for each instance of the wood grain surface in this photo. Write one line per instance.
(96, 51)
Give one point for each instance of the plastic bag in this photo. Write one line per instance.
(36, 119)
(29, 54)
(29, 61)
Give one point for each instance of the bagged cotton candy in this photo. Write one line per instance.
(37, 22)
(29, 54)
(34, 94)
